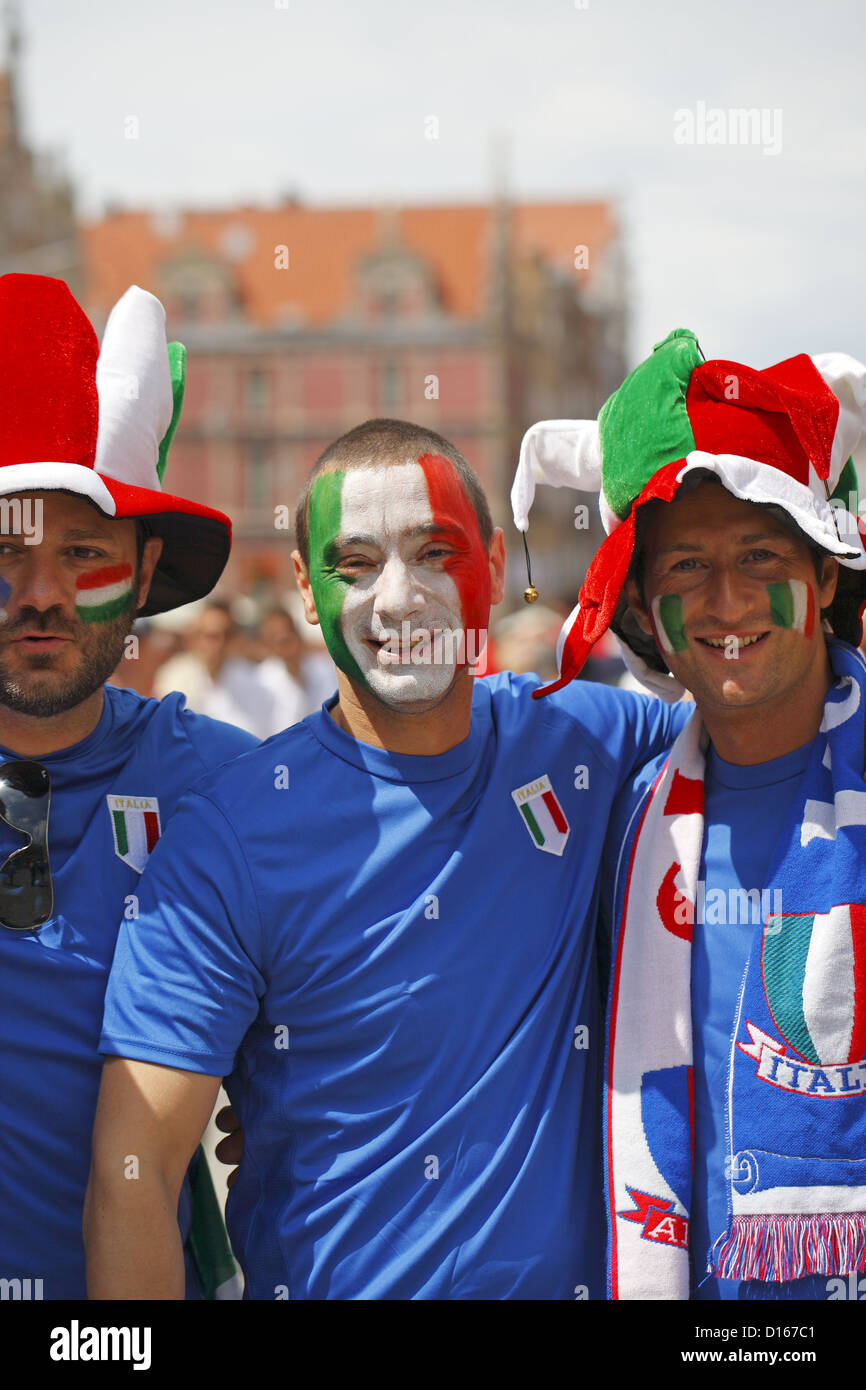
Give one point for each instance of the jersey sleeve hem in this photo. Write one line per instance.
(206, 1063)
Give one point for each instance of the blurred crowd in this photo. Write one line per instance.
(265, 668)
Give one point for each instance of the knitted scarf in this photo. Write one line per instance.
(796, 1086)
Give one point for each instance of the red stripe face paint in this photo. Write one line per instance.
(454, 514)
(102, 578)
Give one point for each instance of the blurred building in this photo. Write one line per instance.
(38, 233)
(303, 321)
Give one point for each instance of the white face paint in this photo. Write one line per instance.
(402, 595)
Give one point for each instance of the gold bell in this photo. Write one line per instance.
(530, 594)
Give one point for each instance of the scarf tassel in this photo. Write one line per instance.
(778, 1248)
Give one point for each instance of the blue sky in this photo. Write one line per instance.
(247, 99)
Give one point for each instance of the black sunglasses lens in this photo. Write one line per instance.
(24, 793)
(26, 893)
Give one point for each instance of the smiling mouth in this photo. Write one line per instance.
(723, 643)
(384, 652)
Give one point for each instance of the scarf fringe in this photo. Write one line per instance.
(778, 1248)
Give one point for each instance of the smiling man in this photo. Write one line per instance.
(382, 923)
(89, 774)
(732, 597)
(396, 565)
(736, 1114)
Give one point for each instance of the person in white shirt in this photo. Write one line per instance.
(298, 679)
(215, 682)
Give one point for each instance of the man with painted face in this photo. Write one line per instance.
(381, 924)
(734, 872)
(89, 774)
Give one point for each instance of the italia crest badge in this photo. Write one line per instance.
(542, 815)
(135, 826)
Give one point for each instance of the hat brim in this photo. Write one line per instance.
(751, 481)
(196, 539)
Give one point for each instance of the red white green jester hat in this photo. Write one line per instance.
(98, 423)
(781, 437)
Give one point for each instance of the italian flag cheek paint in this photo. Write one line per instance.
(324, 512)
(667, 611)
(468, 567)
(792, 605)
(102, 595)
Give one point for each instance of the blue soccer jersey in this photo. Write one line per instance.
(111, 796)
(394, 954)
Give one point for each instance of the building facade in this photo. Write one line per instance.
(302, 322)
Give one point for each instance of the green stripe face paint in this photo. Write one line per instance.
(781, 605)
(329, 585)
(667, 611)
(792, 605)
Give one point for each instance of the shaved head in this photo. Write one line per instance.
(378, 443)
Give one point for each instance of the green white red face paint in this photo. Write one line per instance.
(400, 576)
(792, 605)
(667, 611)
(102, 595)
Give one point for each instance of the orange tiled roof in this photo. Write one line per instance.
(325, 244)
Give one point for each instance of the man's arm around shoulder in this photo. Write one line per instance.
(149, 1120)
(627, 727)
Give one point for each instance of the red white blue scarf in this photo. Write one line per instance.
(796, 1086)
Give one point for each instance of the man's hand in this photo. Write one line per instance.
(229, 1151)
(149, 1120)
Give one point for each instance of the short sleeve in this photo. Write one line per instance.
(186, 981)
(628, 729)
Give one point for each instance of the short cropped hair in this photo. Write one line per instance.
(378, 442)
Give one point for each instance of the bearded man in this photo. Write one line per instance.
(89, 774)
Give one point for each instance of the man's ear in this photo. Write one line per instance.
(151, 551)
(302, 579)
(827, 580)
(496, 560)
(636, 604)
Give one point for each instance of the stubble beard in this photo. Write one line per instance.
(100, 649)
